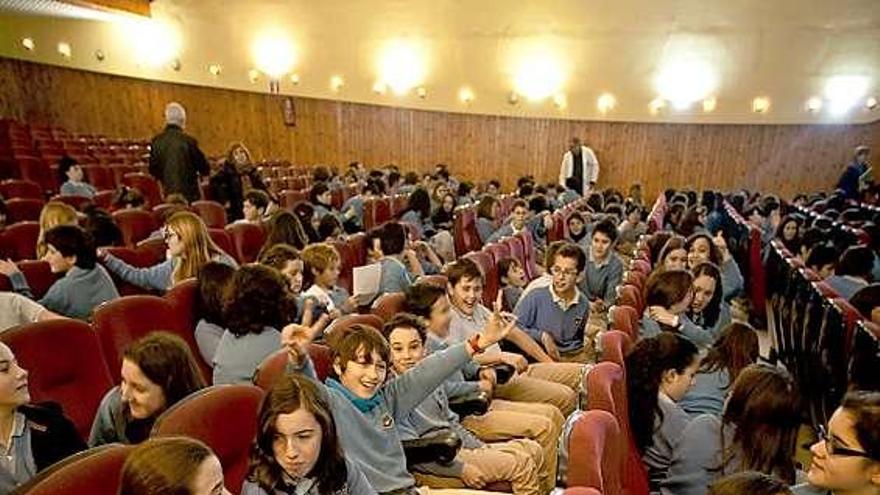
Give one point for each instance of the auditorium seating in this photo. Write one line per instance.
(100, 176)
(490, 275)
(198, 416)
(23, 210)
(347, 321)
(19, 240)
(76, 202)
(211, 212)
(388, 305)
(95, 471)
(224, 241)
(182, 297)
(275, 366)
(247, 239)
(76, 376)
(596, 437)
(135, 225)
(148, 186)
(121, 322)
(16, 188)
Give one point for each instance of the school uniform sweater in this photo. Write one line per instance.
(697, 458)
(355, 484)
(75, 294)
(708, 393)
(667, 433)
(83, 189)
(237, 358)
(540, 311)
(156, 277)
(601, 280)
(701, 337)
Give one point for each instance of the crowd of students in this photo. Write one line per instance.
(708, 414)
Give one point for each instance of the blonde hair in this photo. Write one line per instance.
(54, 213)
(198, 248)
(317, 257)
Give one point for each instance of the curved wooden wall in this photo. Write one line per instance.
(773, 158)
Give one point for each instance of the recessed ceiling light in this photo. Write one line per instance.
(513, 98)
(28, 44)
(656, 105)
(606, 102)
(814, 104)
(336, 83)
(215, 69)
(709, 104)
(465, 95)
(871, 103)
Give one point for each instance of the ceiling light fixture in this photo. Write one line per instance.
(336, 83)
(64, 49)
(465, 95)
(606, 103)
(99, 55)
(685, 81)
(379, 88)
(513, 98)
(871, 103)
(538, 76)
(28, 44)
(253, 75)
(401, 65)
(421, 92)
(814, 104)
(656, 105)
(560, 101)
(844, 92)
(760, 104)
(709, 104)
(274, 54)
(215, 69)
(294, 79)
(154, 43)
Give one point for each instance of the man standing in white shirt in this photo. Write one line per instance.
(580, 163)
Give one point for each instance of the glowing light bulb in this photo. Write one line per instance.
(760, 104)
(64, 49)
(844, 92)
(466, 95)
(28, 44)
(274, 54)
(814, 104)
(401, 65)
(215, 69)
(379, 88)
(336, 83)
(709, 104)
(606, 102)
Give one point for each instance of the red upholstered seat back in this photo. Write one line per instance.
(490, 275)
(76, 376)
(596, 450)
(198, 416)
(19, 240)
(388, 305)
(615, 345)
(498, 250)
(224, 241)
(355, 319)
(211, 212)
(626, 320)
(248, 239)
(135, 225)
(94, 471)
(123, 321)
(23, 209)
(275, 365)
(16, 188)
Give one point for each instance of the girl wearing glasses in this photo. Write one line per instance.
(189, 249)
(846, 459)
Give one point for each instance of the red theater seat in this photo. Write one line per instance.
(198, 416)
(355, 319)
(136, 225)
(39, 276)
(211, 212)
(139, 258)
(182, 297)
(614, 345)
(77, 202)
(382, 211)
(275, 366)
(388, 305)
(123, 321)
(36, 170)
(626, 320)
(147, 185)
(515, 245)
(629, 295)
(498, 250)
(76, 376)
(531, 262)
(248, 239)
(104, 199)
(346, 265)
(95, 471)
(23, 210)
(100, 176)
(224, 241)
(16, 188)
(490, 275)
(19, 240)
(595, 453)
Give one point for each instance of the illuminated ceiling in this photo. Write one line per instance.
(624, 60)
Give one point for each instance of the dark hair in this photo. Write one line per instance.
(258, 198)
(690, 221)
(212, 280)
(572, 251)
(748, 483)
(812, 236)
(608, 228)
(736, 348)
(278, 255)
(348, 342)
(571, 183)
(505, 264)
(550, 253)
(465, 188)
(712, 310)
(656, 242)
(672, 244)
(792, 245)
(304, 211)
(317, 190)
(714, 254)
(392, 238)
(441, 216)
(821, 255)
(857, 261)
(539, 203)
(163, 466)
(462, 268)
(405, 320)
(495, 183)
(64, 165)
(645, 365)
(865, 406)
(526, 190)
(420, 202)
(596, 201)
(393, 179)
(320, 174)
(420, 298)
(284, 227)
(167, 361)
(291, 393)
(411, 178)
(128, 197)
(328, 227)
(765, 409)
(255, 298)
(667, 288)
(101, 227)
(485, 206)
(72, 240)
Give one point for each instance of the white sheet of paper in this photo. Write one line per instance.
(366, 279)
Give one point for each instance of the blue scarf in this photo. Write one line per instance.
(363, 405)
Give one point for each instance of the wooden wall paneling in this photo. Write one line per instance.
(780, 158)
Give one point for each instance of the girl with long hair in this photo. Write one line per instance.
(53, 214)
(157, 371)
(708, 311)
(756, 432)
(702, 248)
(172, 465)
(297, 450)
(736, 348)
(660, 370)
(189, 249)
(284, 228)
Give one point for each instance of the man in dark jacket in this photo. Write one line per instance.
(857, 174)
(175, 158)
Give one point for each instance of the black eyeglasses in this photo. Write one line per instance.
(833, 448)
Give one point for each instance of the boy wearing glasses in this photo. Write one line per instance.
(556, 316)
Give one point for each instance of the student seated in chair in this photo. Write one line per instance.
(365, 406)
(84, 284)
(476, 464)
(72, 179)
(604, 268)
